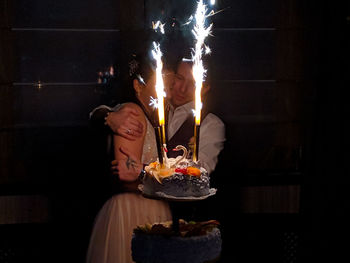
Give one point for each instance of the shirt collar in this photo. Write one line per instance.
(189, 106)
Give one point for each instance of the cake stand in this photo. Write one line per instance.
(176, 214)
(170, 198)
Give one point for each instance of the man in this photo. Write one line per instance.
(181, 120)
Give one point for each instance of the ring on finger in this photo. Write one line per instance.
(128, 131)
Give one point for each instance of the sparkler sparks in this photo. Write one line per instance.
(200, 32)
(158, 24)
(153, 103)
(207, 50)
(157, 55)
(159, 101)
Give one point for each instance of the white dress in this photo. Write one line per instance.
(110, 240)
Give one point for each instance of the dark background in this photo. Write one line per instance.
(280, 69)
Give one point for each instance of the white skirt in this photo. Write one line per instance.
(111, 235)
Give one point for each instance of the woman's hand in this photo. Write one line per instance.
(127, 169)
(124, 123)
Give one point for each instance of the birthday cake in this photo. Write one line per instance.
(177, 177)
(195, 242)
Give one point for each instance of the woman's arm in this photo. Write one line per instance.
(128, 153)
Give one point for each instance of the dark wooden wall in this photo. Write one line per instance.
(268, 87)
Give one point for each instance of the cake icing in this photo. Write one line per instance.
(196, 242)
(177, 177)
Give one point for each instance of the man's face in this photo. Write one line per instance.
(183, 88)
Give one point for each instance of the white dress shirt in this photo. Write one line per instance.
(211, 136)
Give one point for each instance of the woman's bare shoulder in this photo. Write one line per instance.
(132, 105)
(136, 111)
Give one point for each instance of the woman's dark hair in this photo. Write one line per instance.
(139, 66)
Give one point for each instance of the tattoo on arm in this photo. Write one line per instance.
(130, 163)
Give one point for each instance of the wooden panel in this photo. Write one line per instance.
(56, 104)
(291, 100)
(6, 136)
(41, 159)
(290, 57)
(290, 14)
(264, 122)
(6, 157)
(6, 105)
(246, 14)
(43, 143)
(270, 199)
(236, 14)
(244, 55)
(6, 56)
(254, 146)
(247, 144)
(66, 14)
(5, 13)
(64, 56)
(132, 15)
(243, 101)
(24, 209)
(166, 10)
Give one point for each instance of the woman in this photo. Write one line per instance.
(110, 240)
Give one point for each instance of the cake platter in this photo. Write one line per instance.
(166, 197)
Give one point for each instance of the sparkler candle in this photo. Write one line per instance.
(200, 32)
(157, 55)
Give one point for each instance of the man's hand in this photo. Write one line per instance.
(129, 169)
(124, 123)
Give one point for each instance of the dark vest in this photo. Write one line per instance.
(181, 137)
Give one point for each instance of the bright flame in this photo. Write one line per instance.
(200, 32)
(157, 55)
